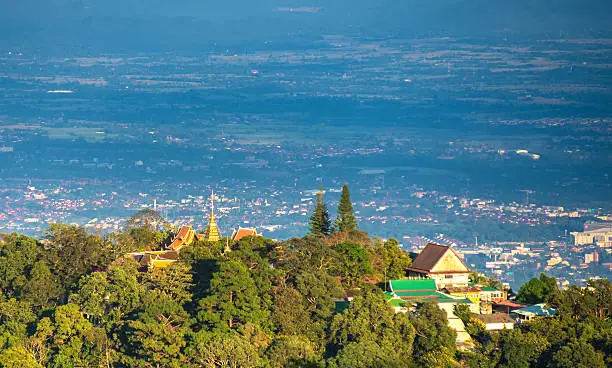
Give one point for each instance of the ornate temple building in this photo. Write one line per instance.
(184, 237)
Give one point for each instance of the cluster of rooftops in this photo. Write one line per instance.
(438, 274)
(186, 236)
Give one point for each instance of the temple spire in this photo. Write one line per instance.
(212, 206)
(212, 230)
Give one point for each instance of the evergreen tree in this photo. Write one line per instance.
(156, 336)
(370, 334)
(521, 349)
(40, 289)
(289, 315)
(537, 290)
(232, 299)
(318, 289)
(15, 317)
(352, 263)
(388, 259)
(578, 354)
(435, 340)
(173, 282)
(346, 220)
(74, 341)
(223, 349)
(292, 351)
(320, 224)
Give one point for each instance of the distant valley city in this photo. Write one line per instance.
(266, 140)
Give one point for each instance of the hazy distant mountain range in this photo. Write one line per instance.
(136, 25)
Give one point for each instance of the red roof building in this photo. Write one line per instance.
(184, 237)
(244, 232)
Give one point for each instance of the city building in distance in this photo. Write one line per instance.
(594, 233)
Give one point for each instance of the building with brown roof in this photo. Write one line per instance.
(442, 264)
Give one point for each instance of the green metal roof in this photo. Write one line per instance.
(341, 306)
(408, 294)
(412, 285)
(434, 296)
(401, 298)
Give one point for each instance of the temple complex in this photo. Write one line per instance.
(184, 237)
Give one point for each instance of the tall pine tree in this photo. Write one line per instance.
(320, 224)
(346, 220)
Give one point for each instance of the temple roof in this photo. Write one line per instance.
(243, 232)
(155, 259)
(183, 232)
(421, 290)
(184, 237)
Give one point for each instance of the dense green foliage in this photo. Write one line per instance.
(579, 336)
(537, 290)
(73, 299)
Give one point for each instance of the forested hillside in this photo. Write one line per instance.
(73, 299)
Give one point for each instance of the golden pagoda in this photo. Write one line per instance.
(212, 230)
